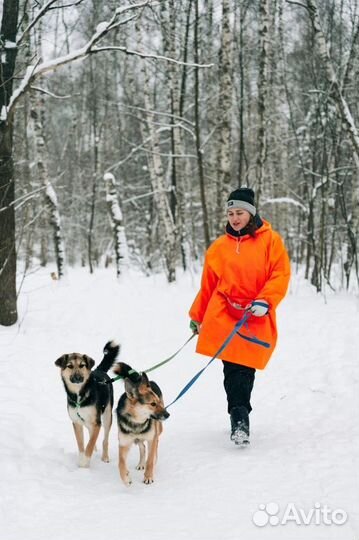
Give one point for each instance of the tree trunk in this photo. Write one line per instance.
(119, 236)
(198, 130)
(168, 229)
(224, 112)
(348, 123)
(38, 115)
(8, 308)
(241, 150)
(262, 95)
(95, 140)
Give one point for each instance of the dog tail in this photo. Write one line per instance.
(126, 371)
(110, 353)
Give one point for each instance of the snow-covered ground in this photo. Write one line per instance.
(303, 462)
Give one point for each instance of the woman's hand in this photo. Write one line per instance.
(195, 326)
(259, 308)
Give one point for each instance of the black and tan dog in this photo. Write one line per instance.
(140, 411)
(89, 398)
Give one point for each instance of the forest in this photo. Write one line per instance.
(124, 125)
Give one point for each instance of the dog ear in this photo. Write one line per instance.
(130, 389)
(89, 361)
(60, 362)
(126, 371)
(120, 368)
(144, 379)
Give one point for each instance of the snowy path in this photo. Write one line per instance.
(305, 429)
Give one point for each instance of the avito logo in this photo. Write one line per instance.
(318, 515)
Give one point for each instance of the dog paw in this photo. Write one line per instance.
(148, 480)
(105, 459)
(140, 467)
(127, 480)
(84, 461)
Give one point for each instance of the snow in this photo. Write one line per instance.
(304, 452)
(109, 177)
(286, 200)
(51, 194)
(10, 44)
(102, 27)
(3, 114)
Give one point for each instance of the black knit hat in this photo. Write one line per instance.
(242, 198)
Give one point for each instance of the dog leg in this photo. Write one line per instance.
(90, 446)
(107, 422)
(79, 434)
(150, 465)
(142, 462)
(122, 464)
(90, 430)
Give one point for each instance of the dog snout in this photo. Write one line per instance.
(76, 378)
(163, 415)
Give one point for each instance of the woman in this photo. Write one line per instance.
(247, 268)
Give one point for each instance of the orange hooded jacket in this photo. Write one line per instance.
(243, 269)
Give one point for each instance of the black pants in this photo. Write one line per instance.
(238, 384)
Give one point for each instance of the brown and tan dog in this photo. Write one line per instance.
(89, 398)
(140, 412)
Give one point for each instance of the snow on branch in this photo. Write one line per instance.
(149, 55)
(47, 7)
(51, 94)
(33, 72)
(297, 3)
(23, 199)
(40, 14)
(285, 200)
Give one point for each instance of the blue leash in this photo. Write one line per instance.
(235, 331)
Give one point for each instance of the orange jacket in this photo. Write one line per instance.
(243, 269)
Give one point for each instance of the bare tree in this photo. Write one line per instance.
(199, 151)
(8, 102)
(8, 310)
(119, 235)
(349, 124)
(224, 111)
(262, 94)
(41, 156)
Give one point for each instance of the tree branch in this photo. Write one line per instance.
(40, 14)
(33, 72)
(149, 55)
(296, 3)
(48, 93)
(76, 3)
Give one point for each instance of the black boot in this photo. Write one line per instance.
(240, 425)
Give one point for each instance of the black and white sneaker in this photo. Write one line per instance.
(240, 436)
(240, 426)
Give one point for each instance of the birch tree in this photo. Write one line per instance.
(41, 157)
(348, 122)
(197, 117)
(157, 177)
(224, 111)
(8, 102)
(262, 94)
(116, 217)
